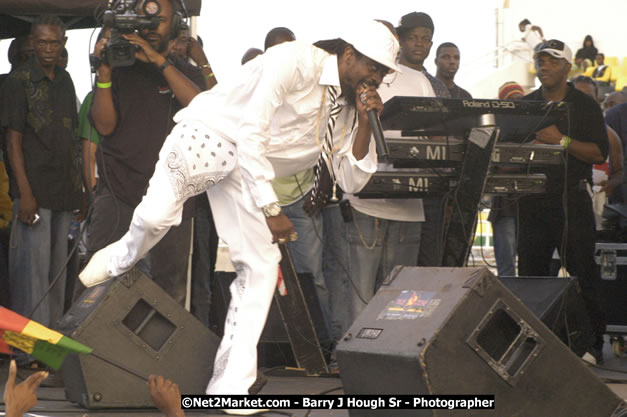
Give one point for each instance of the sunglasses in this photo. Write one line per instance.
(380, 68)
(551, 44)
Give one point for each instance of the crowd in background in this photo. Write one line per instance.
(77, 170)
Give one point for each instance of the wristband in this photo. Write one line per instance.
(209, 76)
(103, 85)
(165, 64)
(565, 141)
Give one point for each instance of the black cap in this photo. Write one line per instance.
(414, 20)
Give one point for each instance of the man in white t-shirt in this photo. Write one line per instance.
(381, 234)
(532, 34)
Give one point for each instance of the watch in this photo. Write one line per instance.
(271, 210)
(165, 64)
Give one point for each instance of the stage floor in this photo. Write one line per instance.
(52, 401)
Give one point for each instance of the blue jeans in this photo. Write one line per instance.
(363, 252)
(307, 251)
(504, 231)
(37, 255)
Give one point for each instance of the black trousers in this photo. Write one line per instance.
(541, 231)
(431, 254)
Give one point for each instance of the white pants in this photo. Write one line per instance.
(191, 161)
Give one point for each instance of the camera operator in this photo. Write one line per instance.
(132, 109)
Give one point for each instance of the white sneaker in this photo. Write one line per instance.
(588, 358)
(96, 270)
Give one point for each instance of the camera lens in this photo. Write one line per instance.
(152, 8)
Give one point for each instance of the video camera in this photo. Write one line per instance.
(122, 18)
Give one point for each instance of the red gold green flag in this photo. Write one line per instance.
(42, 343)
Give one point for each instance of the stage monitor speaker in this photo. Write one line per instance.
(274, 346)
(132, 323)
(612, 260)
(453, 331)
(558, 303)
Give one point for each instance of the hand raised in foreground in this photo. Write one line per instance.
(165, 395)
(20, 398)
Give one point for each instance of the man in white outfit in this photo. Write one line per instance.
(222, 145)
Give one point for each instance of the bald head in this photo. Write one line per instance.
(614, 99)
(587, 86)
(277, 36)
(250, 54)
(20, 50)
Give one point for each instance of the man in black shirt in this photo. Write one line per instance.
(19, 51)
(562, 218)
(39, 113)
(447, 63)
(132, 109)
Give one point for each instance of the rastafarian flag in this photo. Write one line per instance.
(42, 343)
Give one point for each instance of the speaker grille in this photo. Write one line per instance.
(149, 325)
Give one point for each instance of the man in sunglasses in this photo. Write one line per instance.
(566, 203)
(223, 145)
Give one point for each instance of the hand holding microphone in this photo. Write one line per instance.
(370, 99)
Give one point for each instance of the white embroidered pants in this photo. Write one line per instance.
(191, 161)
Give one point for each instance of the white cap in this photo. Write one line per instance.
(555, 48)
(374, 40)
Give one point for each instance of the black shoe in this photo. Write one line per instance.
(258, 384)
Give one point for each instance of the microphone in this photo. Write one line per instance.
(377, 131)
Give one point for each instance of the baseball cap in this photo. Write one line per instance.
(415, 20)
(374, 40)
(555, 48)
